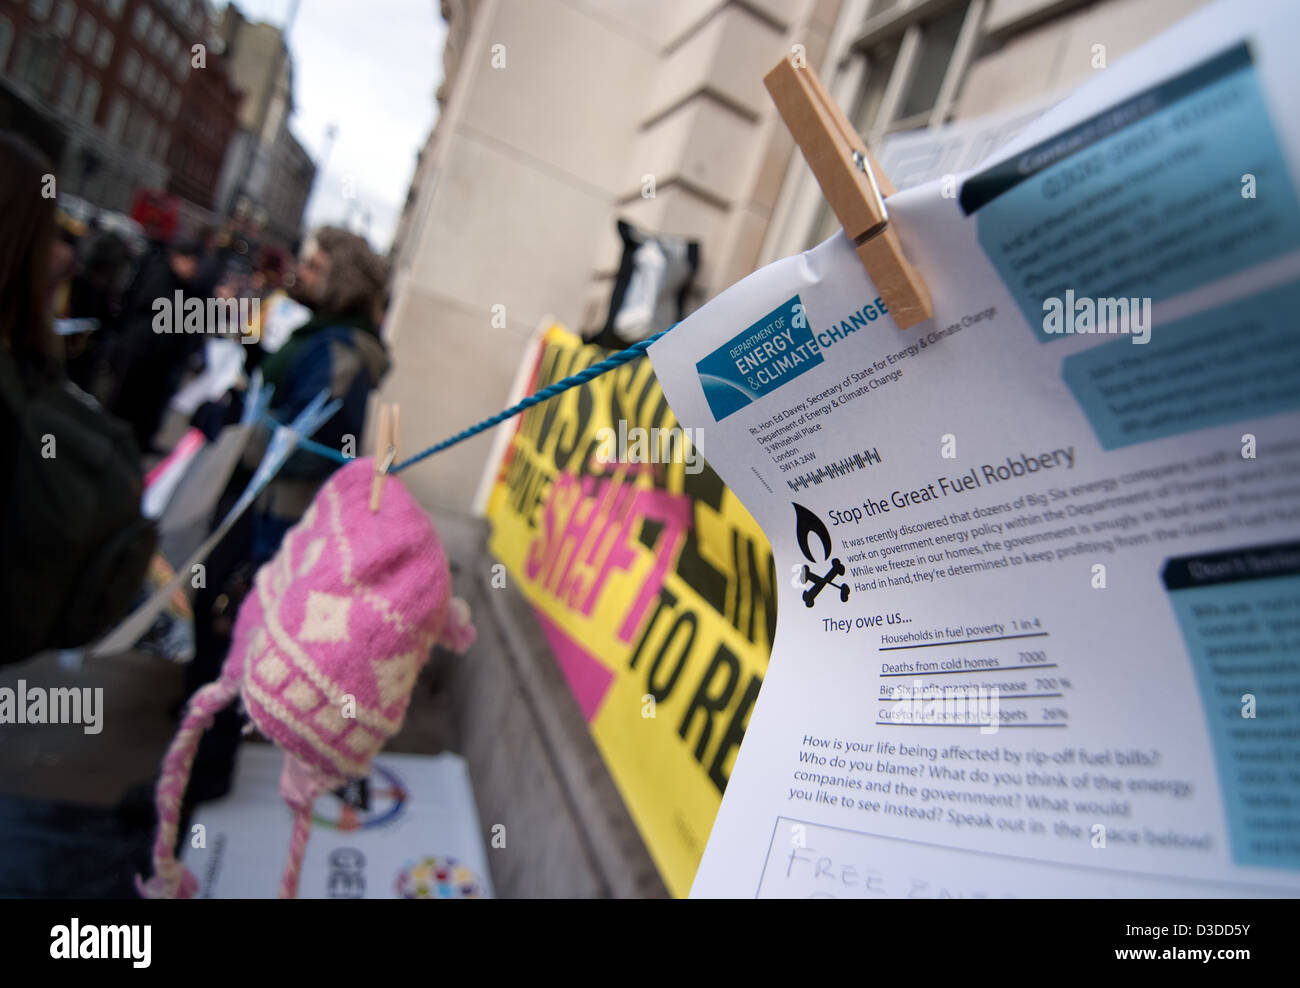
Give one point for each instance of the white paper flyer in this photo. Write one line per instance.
(1038, 557)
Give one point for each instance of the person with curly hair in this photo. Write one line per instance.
(341, 281)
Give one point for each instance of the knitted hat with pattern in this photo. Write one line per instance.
(326, 650)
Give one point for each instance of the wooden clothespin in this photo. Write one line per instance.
(385, 451)
(853, 185)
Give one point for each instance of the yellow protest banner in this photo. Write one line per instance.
(654, 586)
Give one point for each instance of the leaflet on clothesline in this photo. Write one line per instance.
(1037, 558)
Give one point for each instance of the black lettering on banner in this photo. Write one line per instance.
(754, 595)
(531, 426)
(735, 732)
(586, 405)
(666, 599)
(711, 703)
(527, 482)
(685, 619)
(550, 409)
(705, 487)
(744, 592)
(734, 577)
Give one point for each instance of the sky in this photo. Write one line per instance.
(371, 69)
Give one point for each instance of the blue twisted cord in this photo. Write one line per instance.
(550, 391)
(310, 445)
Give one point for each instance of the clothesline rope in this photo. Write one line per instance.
(550, 391)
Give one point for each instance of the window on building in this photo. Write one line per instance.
(173, 103)
(877, 69)
(67, 13)
(938, 42)
(89, 101)
(158, 36)
(115, 8)
(903, 67)
(147, 132)
(103, 47)
(71, 90)
(85, 33)
(6, 41)
(142, 22)
(131, 132)
(915, 57)
(130, 69)
(160, 149)
(116, 119)
(147, 82)
(37, 60)
(40, 9)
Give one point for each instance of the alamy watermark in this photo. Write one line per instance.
(241, 317)
(963, 706)
(653, 445)
(1086, 315)
(75, 942)
(61, 705)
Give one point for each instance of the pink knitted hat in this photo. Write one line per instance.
(326, 650)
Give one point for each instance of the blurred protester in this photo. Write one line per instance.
(212, 265)
(73, 546)
(224, 367)
(95, 296)
(341, 283)
(27, 262)
(63, 265)
(281, 316)
(269, 274)
(149, 365)
(338, 350)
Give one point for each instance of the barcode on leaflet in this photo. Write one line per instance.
(837, 469)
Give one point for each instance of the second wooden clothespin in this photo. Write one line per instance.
(852, 184)
(385, 451)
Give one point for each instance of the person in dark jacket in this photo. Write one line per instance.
(150, 364)
(73, 547)
(94, 299)
(26, 254)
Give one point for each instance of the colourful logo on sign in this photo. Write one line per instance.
(386, 796)
(774, 350)
(437, 877)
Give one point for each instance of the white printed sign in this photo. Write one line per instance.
(411, 833)
(1038, 556)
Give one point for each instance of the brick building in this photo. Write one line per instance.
(202, 131)
(111, 76)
